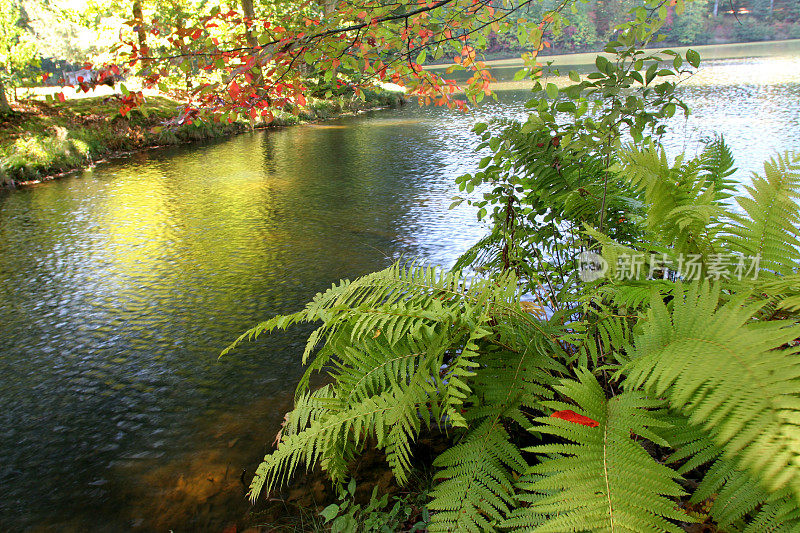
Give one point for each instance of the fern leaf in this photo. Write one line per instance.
(716, 163)
(769, 227)
(728, 376)
(477, 489)
(600, 479)
(740, 503)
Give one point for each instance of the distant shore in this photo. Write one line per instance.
(707, 51)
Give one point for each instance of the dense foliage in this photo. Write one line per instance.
(247, 58)
(17, 50)
(625, 339)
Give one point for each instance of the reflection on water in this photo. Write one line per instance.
(119, 287)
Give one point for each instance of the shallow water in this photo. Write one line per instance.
(119, 286)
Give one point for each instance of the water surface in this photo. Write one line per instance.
(119, 286)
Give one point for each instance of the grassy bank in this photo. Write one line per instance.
(47, 139)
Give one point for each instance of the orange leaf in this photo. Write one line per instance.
(571, 416)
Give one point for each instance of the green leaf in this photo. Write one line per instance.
(693, 58)
(552, 90)
(330, 512)
(651, 73)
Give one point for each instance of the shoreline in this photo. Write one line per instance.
(133, 133)
(707, 52)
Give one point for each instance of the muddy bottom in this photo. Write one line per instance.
(206, 490)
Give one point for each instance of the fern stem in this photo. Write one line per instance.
(605, 470)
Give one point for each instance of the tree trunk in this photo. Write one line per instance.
(137, 15)
(716, 7)
(5, 107)
(249, 12)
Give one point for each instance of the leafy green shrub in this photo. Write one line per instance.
(375, 517)
(592, 403)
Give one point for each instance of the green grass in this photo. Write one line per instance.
(43, 138)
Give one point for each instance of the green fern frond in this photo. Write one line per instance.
(481, 254)
(716, 164)
(600, 479)
(601, 336)
(769, 227)
(477, 489)
(740, 503)
(309, 407)
(635, 294)
(729, 376)
(316, 441)
(784, 291)
(384, 339)
(516, 372)
(681, 208)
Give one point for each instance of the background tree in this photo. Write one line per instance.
(17, 50)
(358, 45)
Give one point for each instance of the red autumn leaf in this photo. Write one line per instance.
(234, 90)
(61, 97)
(571, 416)
(45, 76)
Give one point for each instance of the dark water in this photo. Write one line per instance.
(119, 287)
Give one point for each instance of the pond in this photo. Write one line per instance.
(119, 286)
